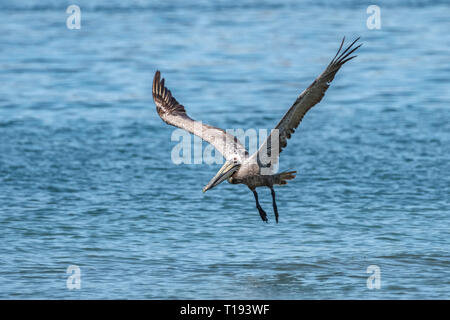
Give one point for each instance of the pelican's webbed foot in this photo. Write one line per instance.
(262, 213)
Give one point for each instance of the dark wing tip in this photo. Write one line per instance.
(162, 96)
(156, 83)
(343, 57)
(339, 50)
(157, 76)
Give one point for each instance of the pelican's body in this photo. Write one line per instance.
(256, 170)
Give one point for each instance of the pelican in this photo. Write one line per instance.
(239, 166)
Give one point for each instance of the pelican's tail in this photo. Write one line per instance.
(286, 175)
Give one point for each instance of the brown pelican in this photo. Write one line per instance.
(240, 167)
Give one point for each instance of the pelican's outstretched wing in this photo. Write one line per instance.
(307, 99)
(173, 113)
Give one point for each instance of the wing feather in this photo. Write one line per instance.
(174, 113)
(307, 99)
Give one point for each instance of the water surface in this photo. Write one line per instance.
(86, 176)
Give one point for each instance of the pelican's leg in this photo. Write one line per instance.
(262, 213)
(275, 209)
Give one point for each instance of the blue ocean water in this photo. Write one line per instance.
(86, 176)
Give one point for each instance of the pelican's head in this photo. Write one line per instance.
(227, 170)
